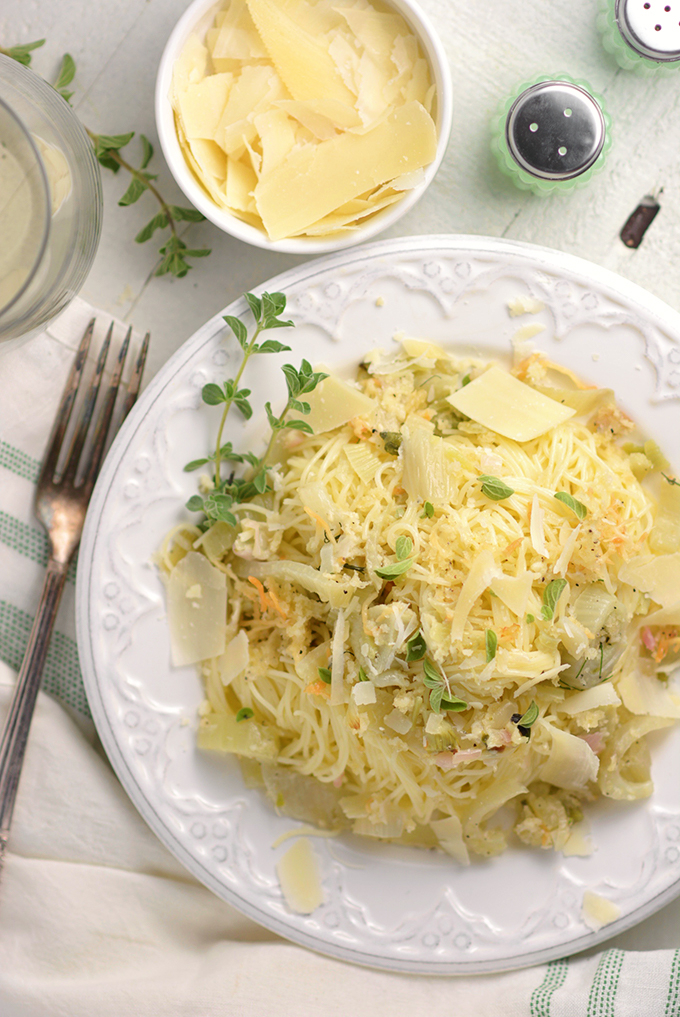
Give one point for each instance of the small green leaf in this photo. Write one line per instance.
(454, 703)
(217, 506)
(272, 346)
(113, 142)
(245, 713)
(431, 676)
(22, 53)
(576, 507)
(255, 305)
(403, 547)
(436, 696)
(195, 503)
(244, 408)
(134, 192)
(363, 677)
(551, 595)
(396, 569)
(530, 717)
(180, 214)
(325, 675)
(466, 381)
(260, 482)
(212, 394)
(158, 222)
(147, 151)
(195, 464)
(67, 72)
(299, 425)
(491, 640)
(428, 510)
(494, 488)
(530, 618)
(292, 380)
(416, 647)
(392, 440)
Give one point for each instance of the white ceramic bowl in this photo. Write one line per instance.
(198, 17)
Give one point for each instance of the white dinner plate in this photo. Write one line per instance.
(386, 906)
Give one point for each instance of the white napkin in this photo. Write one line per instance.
(97, 919)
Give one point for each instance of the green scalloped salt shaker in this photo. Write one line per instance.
(642, 35)
(552, 134)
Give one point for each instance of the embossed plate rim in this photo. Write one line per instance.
(93, 551)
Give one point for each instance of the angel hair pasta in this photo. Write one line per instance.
(460, 596)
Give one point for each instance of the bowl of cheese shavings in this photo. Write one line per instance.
(303, 127)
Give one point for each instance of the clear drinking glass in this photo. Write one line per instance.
(50, 202)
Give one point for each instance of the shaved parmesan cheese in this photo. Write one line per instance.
(417, 348)
(197, 624)
(449, 833)
(506, 405)
(479, 578)
(524, 305)
(513, 591)
(562, 563)
(235, 659)
(597, 911)
(333, 402)
(314, 180)
(299, 877)
(429, 467)
(302, 61)
(572, 764)
(536, 528)
(201, 105)
(363, 693)
(657, 575)
(527, 332)
(590, 699)
(645, 695)
(579, 844)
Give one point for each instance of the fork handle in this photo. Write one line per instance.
(18, 722)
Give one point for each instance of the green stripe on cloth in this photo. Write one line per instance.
(62, 676)
(673, 988)
(605, 984)
(18, 462)
(28, 541)
(555, 975)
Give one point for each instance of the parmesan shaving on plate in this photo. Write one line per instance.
(304, 119)
(435, 613)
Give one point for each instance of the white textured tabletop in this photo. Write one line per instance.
(492, 47)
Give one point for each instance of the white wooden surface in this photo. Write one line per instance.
(493, 45)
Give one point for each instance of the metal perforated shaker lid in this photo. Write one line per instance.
(555, 130)
(651, 27)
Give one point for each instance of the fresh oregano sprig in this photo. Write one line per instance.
(441, 697)
(174, 252)
(228, 491)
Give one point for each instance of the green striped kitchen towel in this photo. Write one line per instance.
(32, 376)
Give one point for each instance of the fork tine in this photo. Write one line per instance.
(136, 379)
(75, 451)
(65, 408)
(105, 415)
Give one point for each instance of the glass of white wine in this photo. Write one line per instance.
(50, 203)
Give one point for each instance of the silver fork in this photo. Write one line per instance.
(63, 494)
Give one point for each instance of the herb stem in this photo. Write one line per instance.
(138, 175)
(227, 406)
